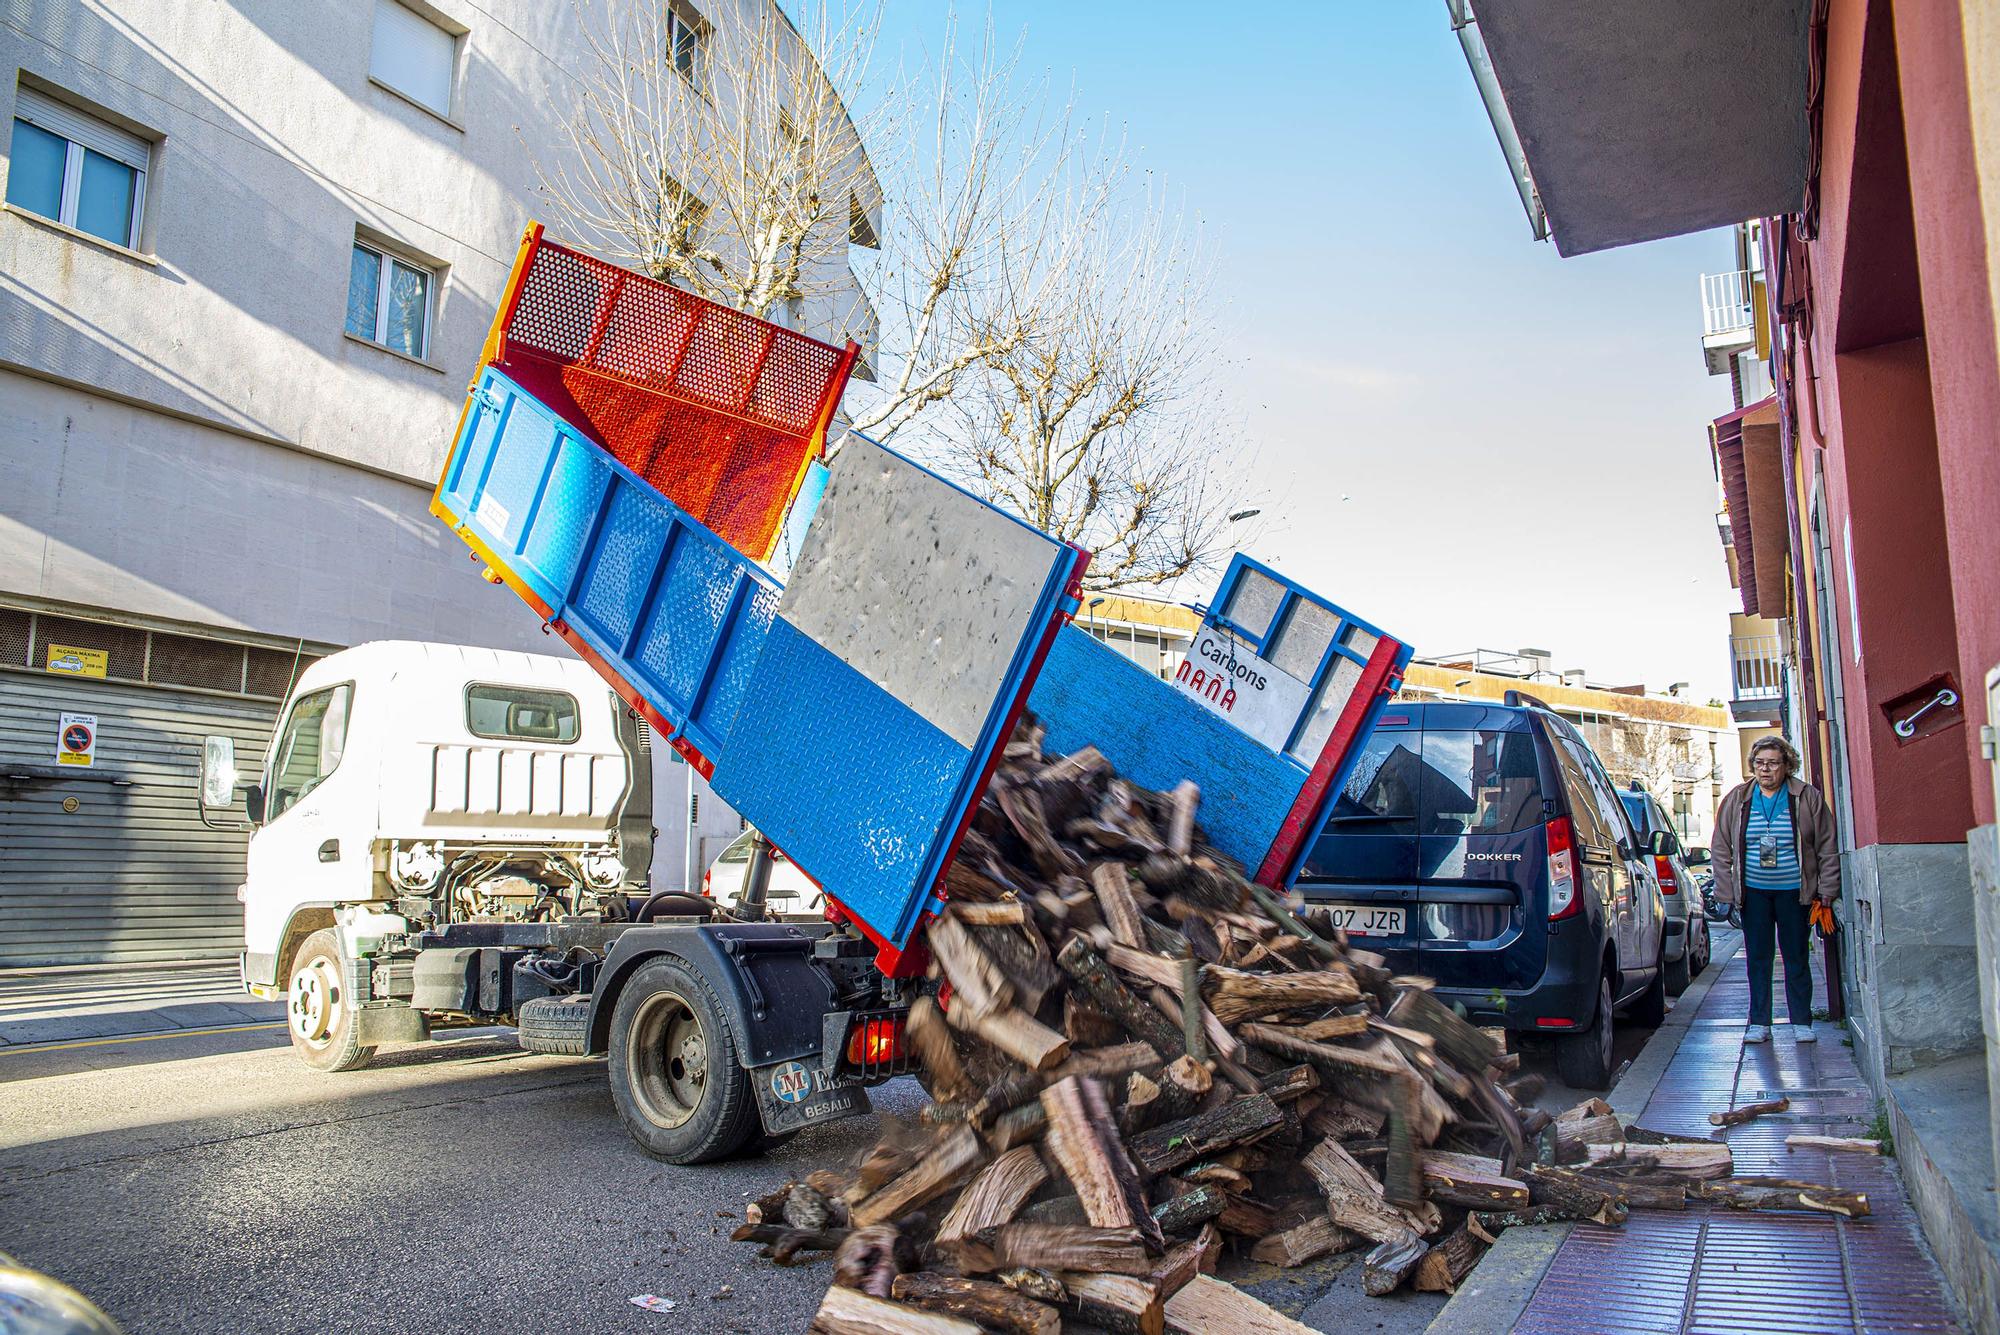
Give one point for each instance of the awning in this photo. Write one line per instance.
(1639, 121)
(1751, 460)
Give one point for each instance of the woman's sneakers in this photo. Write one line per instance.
(1803, 1033)
(1757, 1033)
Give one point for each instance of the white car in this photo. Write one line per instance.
(790, 894)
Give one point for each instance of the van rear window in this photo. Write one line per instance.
(518, 714)
(1449, 782)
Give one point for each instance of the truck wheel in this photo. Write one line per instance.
(559, 1026)
(1584, 1060)
(318, 1010)
(1650, 1010)
(675, 1075)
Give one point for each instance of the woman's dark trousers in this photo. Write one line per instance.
(1774, 920)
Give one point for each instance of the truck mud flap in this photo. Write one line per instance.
(796, 1094)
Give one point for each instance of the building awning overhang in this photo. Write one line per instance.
(1751, 460)
(1630, 122)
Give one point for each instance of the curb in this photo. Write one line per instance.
(1497, 1291)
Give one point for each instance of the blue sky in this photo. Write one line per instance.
(1457, 434)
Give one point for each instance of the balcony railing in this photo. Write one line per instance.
(1726, 310)
(1758, 663)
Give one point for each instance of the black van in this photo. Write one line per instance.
(1484, 846)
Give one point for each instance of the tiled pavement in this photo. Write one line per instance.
(1723, 1272)
(102, 1001)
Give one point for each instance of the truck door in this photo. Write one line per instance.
(298, 855)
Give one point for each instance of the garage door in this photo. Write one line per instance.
(111, 862)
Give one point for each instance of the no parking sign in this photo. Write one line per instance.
(76, 739)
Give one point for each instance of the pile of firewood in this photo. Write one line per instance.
(1135, 1055)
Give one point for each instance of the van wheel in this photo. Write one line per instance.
(675, 1075)
(318, 1011)
(1650, 1010)
(1584, 1060)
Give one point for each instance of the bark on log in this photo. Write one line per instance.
(1612, 1213)
(1385, 1268)
(1014, 1032)
(1316, 1237)
(933, 1174)
(1697, 1161)
(1738, 1116)
(1353, 1197)
(1085, 1026)
(1236, 996)
(1575, 1137)
(978, 986)
(1448, 1262)
(1587, 1196)
(1191, 1209)
(1023, 809)
(1472, 1181)
(1290, 1084)
(1777, 1193)
(1127, 1304)
(851, 1312)
(1458, 1042)
(996, 1195)
(1083, 1139)
(1340, 1119)
(1017, 1126)
(1166, 1148)
(993, 1307)
(1107, 1062)
(1115, 1251)
(1205, 1305)
(1276, 1039)
(1842, 1144)
(1115, 999)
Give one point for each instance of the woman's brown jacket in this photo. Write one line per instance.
(1812, 824)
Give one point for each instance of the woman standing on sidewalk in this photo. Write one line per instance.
(1775, 851)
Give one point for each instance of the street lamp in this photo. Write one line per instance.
(1093, 612)
(1244, 514)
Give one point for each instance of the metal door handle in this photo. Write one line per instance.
(330, 851)
(1908, 727)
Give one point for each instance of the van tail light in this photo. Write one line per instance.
(1563, 901)
(1663, 868)
(706, 889)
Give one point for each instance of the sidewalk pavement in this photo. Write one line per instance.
(1709, 1269)
(110, 1001)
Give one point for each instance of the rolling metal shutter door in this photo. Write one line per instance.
(132, 874)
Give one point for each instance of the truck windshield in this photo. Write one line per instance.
(518, 714)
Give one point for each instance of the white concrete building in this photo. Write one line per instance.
(248, 255)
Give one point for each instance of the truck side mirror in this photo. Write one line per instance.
(218, 773)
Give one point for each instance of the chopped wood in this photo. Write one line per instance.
(870, 1258)
(1076, 765)
(995, 913)
(1640, 1135)
(993, 1307)
(1015, 1033)
(1183, 1261)
(1023, 809)
(931, 1037)
(1777, 1193)
(1472, 1181)
(996, 1195)
(850, 1312)
(1575, 1137)
(1247, 1217)
(1083, 1140)
(1698, 1161)
(1316, 1237)
(977, 984)
(933, 1174)
(1180, 823)
(1165, 1148)
(1354, 1198)
(1448, 1262)
(1114, 897)
(1205, 1306)
(1611, 1213)
(1117, 1000)
(1107, 1062)
(1289, 1084)
(1280, 913)
(1193, 1012)
(1017, 1126)
(1127, 1304)
(1739, 1115)
(1458, 1041)
(1333, 1026)
(1589, 1108)
(1391, 1262)
(1235, 995)
(1345, 1121)
(1588, 1193)
(1228, 1047)
(1071, 1247)
(1191, 1209)
(1085, 1026)
(1141, 1102)
(1844, 1144)
(1275, 1039)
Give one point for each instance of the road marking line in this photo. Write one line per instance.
(136, 1038)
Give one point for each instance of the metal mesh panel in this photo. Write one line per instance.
(182, 660)
(125, 646)
(271, 671)
(13, 637)
(716, 409)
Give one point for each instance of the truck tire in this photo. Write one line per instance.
(558, 1026)
(1649, 1011)
(1584, 1059)
(675, 1075)
(318, 1012)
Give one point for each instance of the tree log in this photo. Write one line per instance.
(1276, 1039)
(1777, 1193)
(1587, 1195)
(1316, 1237)
(1166, 1148)
(1190, 1209)
(996, 1195)
(1385, 1268)
(1612, 1213)
(1083, 1139)
(1354, 1198)
(1333, 1026)
(1014, 1032)
(1699, 1161)
(1448, 1262)
(1104, 1063)
(1236, 996)
(1458, 1042)
(933, 1174)
(1071, 1247)
(851, 1312)
(1844, 1144)
(1471, 1181)
(1114, 898)
(1127, 1304)
(1737, 1116)
(1184, 1261)
(1292, 1083)
(1207, 1306)
(1575, 1137)
(994, 1307)
(1115, 999)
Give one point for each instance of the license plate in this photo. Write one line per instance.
(1367, 920)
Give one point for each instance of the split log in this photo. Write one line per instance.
(1085, 1026)
(1333, 1026)
(1276, 1039)
(1183, 1262)
(1023, 957)
(1342, 1120)
(1127, 1304)
(1236, 996)
(1115, 999)
(1023, 809)
(1017, 1126)
(1777, 1193)
(1247, 1217)
(931, 1037)
(1290, 1084)
(999, 913)
(1574, 1138)
(1180, 819)
(1115, 1251)
(1462, 1044)
(996, 1195)
(1083, 1139)
(993, 1307)
(851, 1312)
(1166, 1148)
(1447, 1263)
(1738, 1116)
(1353, 1197)
(1316, 1237)
(933, 1174)
(1472, 1181)
(1697, 1161)
(1114, 899)
(1105, 1063)
(1137, 1109)
(1191, 1209)
(1843, 1144)
(1206, 1305)
(1014, 1032)
(978, 986)
(1586, 1195)
(1228, 1047)
(1278, 912)
(1385, 1268)
(1612, 1214)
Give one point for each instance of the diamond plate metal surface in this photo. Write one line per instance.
(620, 567)
(680, 632)
(569, 502)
